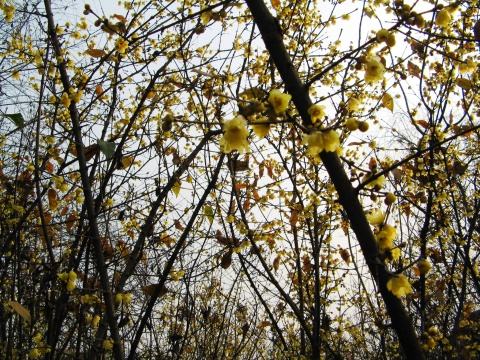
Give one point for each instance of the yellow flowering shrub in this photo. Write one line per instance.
(235, 135)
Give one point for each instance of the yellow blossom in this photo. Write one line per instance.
(443, 18)
(424, 266)
(375, 217)
(386, 37)
(353, 104)
(37, 339)
(35, 354)
(95, 321)
(385, 237)
(121, 45)
(390, 198)
(378, 183)
(399, 286)
(71, 286)
(72, 276)
(63, 276)
(351, 124)
(16, 75)
(177, 275)
(314, 141)
(316, 112)
(8, 12)
(127, 298)
(108, 344)
(235, 135)
(395, 254)
(468, 66)
(65, 100)
(279, 101)
(261, 130)
(374, 69)
(331, 140)
(76, 96)
(118, 298)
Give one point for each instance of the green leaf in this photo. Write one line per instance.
(176, 188)
(108, 148)
(17, 119)
(209, 213)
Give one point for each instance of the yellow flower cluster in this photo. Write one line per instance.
(40, 348)
(468, 66)
(235, 135)
(399, 286)
(279, 101)
(375, 217)
(125, 298)
(317, 113)
(374, 69)
(60, 182)
(65, 100)
(92, 320)
(70, 278)
(89, 299)
(385, 237)
(319, 141)
(378, 183)
(8, 11)
(121, 45)
(352, 124)
(353, 104)
(424, 266)
(108, 344)
(443, 18)
(177, 275)
(75, 95)
(386, 37)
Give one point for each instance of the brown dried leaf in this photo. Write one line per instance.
(120, 18)
(20, 310)
(52, 199)
(345, 255)
(226, 260)
(423, 123)
(294, 217)
(150, 290)
(96, 53)
(178, 225)
(413, 69)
